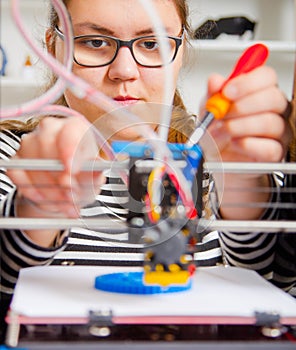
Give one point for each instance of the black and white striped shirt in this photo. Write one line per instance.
(82, 246)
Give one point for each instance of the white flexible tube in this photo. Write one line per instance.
(84, 90)
(33, 106)
(166, 114)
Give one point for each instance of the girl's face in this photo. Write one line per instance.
(125, 81)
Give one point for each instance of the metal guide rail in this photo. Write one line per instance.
(60, 223)
(99, 223)
(231, 167)
(142, 336)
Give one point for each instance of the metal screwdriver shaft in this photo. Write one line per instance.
(199, 132)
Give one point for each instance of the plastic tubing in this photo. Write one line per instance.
(43, 105)
(84, 90)
(33, 106)
(175, 174)
(77, 85)
(80, 87)
(168, 79)
(59, 87)
(68, 112)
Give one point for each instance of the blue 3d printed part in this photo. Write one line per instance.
(132, 283)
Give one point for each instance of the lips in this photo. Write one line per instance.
(126, 100)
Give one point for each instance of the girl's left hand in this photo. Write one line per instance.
(254, 128)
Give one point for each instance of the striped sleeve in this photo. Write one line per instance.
(285, 263)
(285, 253)
(270, 254)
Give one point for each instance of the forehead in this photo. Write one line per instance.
(123, 16)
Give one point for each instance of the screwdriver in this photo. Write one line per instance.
(218, 105)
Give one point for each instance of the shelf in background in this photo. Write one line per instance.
(236, 45)
(14, 91)
(18, 82)
(25, 4)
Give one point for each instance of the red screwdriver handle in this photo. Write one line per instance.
(253, 57)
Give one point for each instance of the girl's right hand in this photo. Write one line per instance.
(57, 193)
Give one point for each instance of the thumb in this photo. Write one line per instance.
(76, 143)
(215, 83)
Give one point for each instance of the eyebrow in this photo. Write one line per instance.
(105, 31)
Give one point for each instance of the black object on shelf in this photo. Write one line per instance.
(236, 25)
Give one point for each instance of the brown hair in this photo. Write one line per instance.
(182, 125)
(19, 127)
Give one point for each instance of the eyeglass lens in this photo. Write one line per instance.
(100, 50)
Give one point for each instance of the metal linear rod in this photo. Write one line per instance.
(251, 167)
(271, 226)
(116, 226)
(11, 223)
(233, 167)
(56, 165)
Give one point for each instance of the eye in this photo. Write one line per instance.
(149, 44)
(96, 43)
(93, 43)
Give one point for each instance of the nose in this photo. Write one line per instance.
(124, 67)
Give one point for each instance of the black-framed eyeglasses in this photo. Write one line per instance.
(101, 50)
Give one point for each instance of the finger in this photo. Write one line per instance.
(36, 181)
(245, 84)
(76, 143)
(267, 125)
(73, 144)
(25, 185)
(258, 149)
(288, 110)
(40, 201)
(35, 146)
(267, 100)
(215, 83)
(52, 133)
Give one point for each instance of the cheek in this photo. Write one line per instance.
(155, 83)
(91, 75)
(89, 110)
